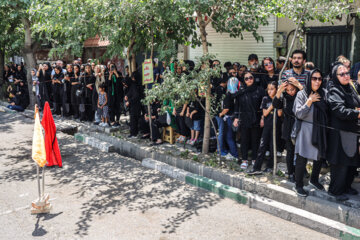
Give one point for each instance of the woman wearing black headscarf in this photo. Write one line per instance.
(66, 99)
(116, 94)
(57, 86)
(247, 109)
(133, 101)
(44, 75)
(310, 108)
(75, 86)
(286, 103)
(343, 150)
(88, 83)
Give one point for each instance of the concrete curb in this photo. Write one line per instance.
(326, 207)
(289, 213)
(103, 146)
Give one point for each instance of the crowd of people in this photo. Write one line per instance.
(316, 114)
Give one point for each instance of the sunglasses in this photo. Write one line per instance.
(249, 78)
(344, 74)
(232, 72)
(268, 64)
(316, 79)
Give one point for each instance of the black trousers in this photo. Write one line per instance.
(115, 107)
(183, 129)
(66, 97)
(300, 169)
(75, 101)
(86, 105)
(341, 178)
(254, 135)
(57, 98)
(290, 149)
(44, 94)
(266, 143)
(134, 124)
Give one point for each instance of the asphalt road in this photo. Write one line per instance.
(107, 196)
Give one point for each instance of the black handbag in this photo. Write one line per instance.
(236, 129)
(188, 122)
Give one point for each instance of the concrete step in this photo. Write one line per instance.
(94, 142)
(275, 208)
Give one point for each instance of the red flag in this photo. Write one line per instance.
(53, 155)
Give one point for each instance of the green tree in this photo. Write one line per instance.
(20, 13)
(232, 17)
(11, 38)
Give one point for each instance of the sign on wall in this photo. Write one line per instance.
(148, 73)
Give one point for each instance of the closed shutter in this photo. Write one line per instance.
(235, 49)
(325, 44)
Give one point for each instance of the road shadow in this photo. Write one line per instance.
(119, 182)
(39, 230)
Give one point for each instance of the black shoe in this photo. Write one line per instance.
(352, 191)
(291, 178)
(96, 123)
(307, 175)
(145, 136)
(268, 170)
(156, 143)
(317, 186)
(253, 172)
(300, 192)
(116, 124)
(339, 198)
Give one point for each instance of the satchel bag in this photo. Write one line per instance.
(295, 130)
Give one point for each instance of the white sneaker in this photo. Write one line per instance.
(101, 124)
(230, 157)
(267, 154)
(244, 164)
(106, 125)
(279, 154)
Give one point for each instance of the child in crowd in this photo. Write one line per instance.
(194, 113)
(102, 106)
(35, 81)
(266, 141)
(286, 102)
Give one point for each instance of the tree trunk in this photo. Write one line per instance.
(133, 61)
(206, 139)
(128, 55)
(30, 60)
(2, 80)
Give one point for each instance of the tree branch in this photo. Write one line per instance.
(214, 11)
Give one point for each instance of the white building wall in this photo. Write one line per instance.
(235, 49)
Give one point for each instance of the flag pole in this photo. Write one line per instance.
(38, 179)
(43, 181)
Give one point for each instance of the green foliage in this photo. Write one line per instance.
(305, 10)
(183, 89)
(185, 154)
(196, 158)
(67, 24)
(12, 36)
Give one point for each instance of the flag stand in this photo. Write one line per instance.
(41, 205)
